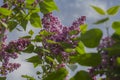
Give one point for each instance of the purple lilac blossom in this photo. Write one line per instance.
(10, 51)
(107, 61)
(61, 33)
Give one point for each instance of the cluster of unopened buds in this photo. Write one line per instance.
(61, 34)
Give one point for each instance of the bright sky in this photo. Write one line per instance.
(69, 11)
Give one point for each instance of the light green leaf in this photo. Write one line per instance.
(29, 1)
(116, 27)
(5, 11)
(91, 38)
(80, 48)
(98, 10)
(31, 32)
(113, 10)
(81, 75)
(4, 24)
(83, 28)
(102, 20)
(35, 20)
(28, 77)
(48, 6)
(118, 61)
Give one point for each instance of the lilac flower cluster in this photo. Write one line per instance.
(11, 51)
(61, 34)
(108, 62)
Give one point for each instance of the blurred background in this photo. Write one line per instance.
(69, 10)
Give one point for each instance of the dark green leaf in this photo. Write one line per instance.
(82, 75)
(5, 11)
(12, 25)
(38, 38)
(72, 67)
(35, 60)
(73, 32)
(89, 59)
(35, 20)
(29, 49)
(116, 27)
(91, 38)
(98, 10)
(24, 23)
(48, 6)
(113, 10)
(26, 37)
(59, 74)
(2, 78)
(114, 49)
(116, 37)
(102, 20)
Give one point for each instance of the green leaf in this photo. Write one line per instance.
(4, 24)
(35, 60)
(35, 20)
(118, 60)
(116, 27)
(114, 49)
(5, 11)
(81, 75)
(12, 25)
(113, 10)
(38, 38)
(29, 49)
(88, 59)
(116, 37)
(80, 48)
(91, 38)
(44, 33)
(98, 10)
(59, 74)
(29, 1)
(102, 20)
(51, 42)
(2, 78)
(48, 6)
(69, 50)
(31, 32)
(24, 23)
(73, 32)
(72, 67)
(50, 59)
(28, 77)
(26, 37)
(83, 28)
